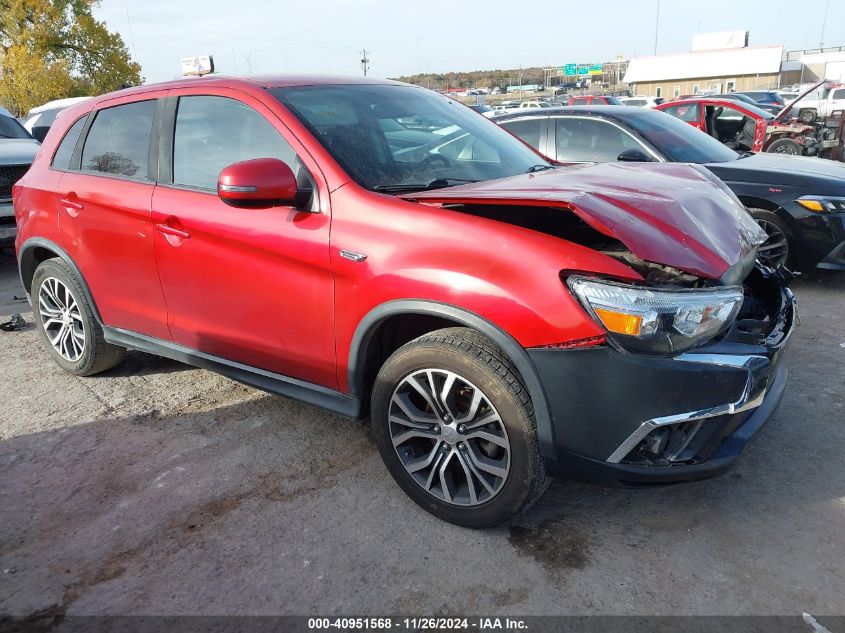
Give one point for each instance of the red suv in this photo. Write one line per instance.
(381, 250)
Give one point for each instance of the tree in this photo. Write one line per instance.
(51, 49)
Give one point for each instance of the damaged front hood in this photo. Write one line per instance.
(672, 214)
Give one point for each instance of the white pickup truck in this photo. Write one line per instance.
(820, 103)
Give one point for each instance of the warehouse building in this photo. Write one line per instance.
(719, 62)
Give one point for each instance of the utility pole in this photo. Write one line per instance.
(656, 26)
(365, 61)
(824, 23)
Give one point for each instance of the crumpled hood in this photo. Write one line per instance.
(672, 214)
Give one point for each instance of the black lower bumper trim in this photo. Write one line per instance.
(589, 470)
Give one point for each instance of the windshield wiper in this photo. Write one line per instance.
(437, 183)
(542, 167)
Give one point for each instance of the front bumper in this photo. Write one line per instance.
(628, 419)
(8, 229)
(822, 239)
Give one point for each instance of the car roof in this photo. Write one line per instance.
(618, 112)
(256, 81)
(57, 103)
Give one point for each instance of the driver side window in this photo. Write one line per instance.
(214, 132)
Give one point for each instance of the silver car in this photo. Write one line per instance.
(17, 151)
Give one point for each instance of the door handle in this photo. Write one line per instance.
(169, 230)
(71, 205)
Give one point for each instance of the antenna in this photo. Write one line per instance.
(365, 61)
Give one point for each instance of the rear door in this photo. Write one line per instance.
(249, 285)
(104, 214)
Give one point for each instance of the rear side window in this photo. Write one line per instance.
(214, 132)
(579, 101)
(119, 140)
(839, 94)
(687, 112)
(526, 129)
(61, 159)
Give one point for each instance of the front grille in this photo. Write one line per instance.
(9, 175)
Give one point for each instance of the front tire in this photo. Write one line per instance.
(66, 322)
(784, 146)
(455, 427)
(779, 247)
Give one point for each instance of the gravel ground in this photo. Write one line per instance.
(161, 489)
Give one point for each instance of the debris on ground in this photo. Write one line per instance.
(16, 322)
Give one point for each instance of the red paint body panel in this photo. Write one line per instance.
(506, 274)
(678, 218)
(111, 241)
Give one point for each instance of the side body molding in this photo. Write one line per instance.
(517, 354)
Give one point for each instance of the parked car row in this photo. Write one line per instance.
(499, 318)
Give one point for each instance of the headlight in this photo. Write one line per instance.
(823, 204)
(656, 320)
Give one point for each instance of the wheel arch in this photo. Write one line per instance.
(36, 250)
(367, 354)
(755, 202)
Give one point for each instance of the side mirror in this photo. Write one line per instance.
(633, 156)
(259, 183)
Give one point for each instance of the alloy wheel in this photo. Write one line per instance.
(774, 251)
(449, 437)
(62, 319)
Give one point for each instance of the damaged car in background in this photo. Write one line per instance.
(497, 319)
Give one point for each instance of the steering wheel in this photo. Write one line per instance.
(430, 160)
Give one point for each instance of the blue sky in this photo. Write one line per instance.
(438, 35)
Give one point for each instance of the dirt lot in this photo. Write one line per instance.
(160, 489)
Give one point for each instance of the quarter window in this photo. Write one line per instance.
(61, 159)
(589, 140)
(119, 140)
(214, 132)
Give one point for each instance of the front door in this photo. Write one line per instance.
(249, 285)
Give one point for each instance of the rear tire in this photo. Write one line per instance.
(780, 245)
(66, 321)
(784, 146)
(476, 474)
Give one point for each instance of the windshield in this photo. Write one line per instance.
(9, 128)
(403, 138)
(679, 141)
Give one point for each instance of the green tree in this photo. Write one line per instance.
(51, 49)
